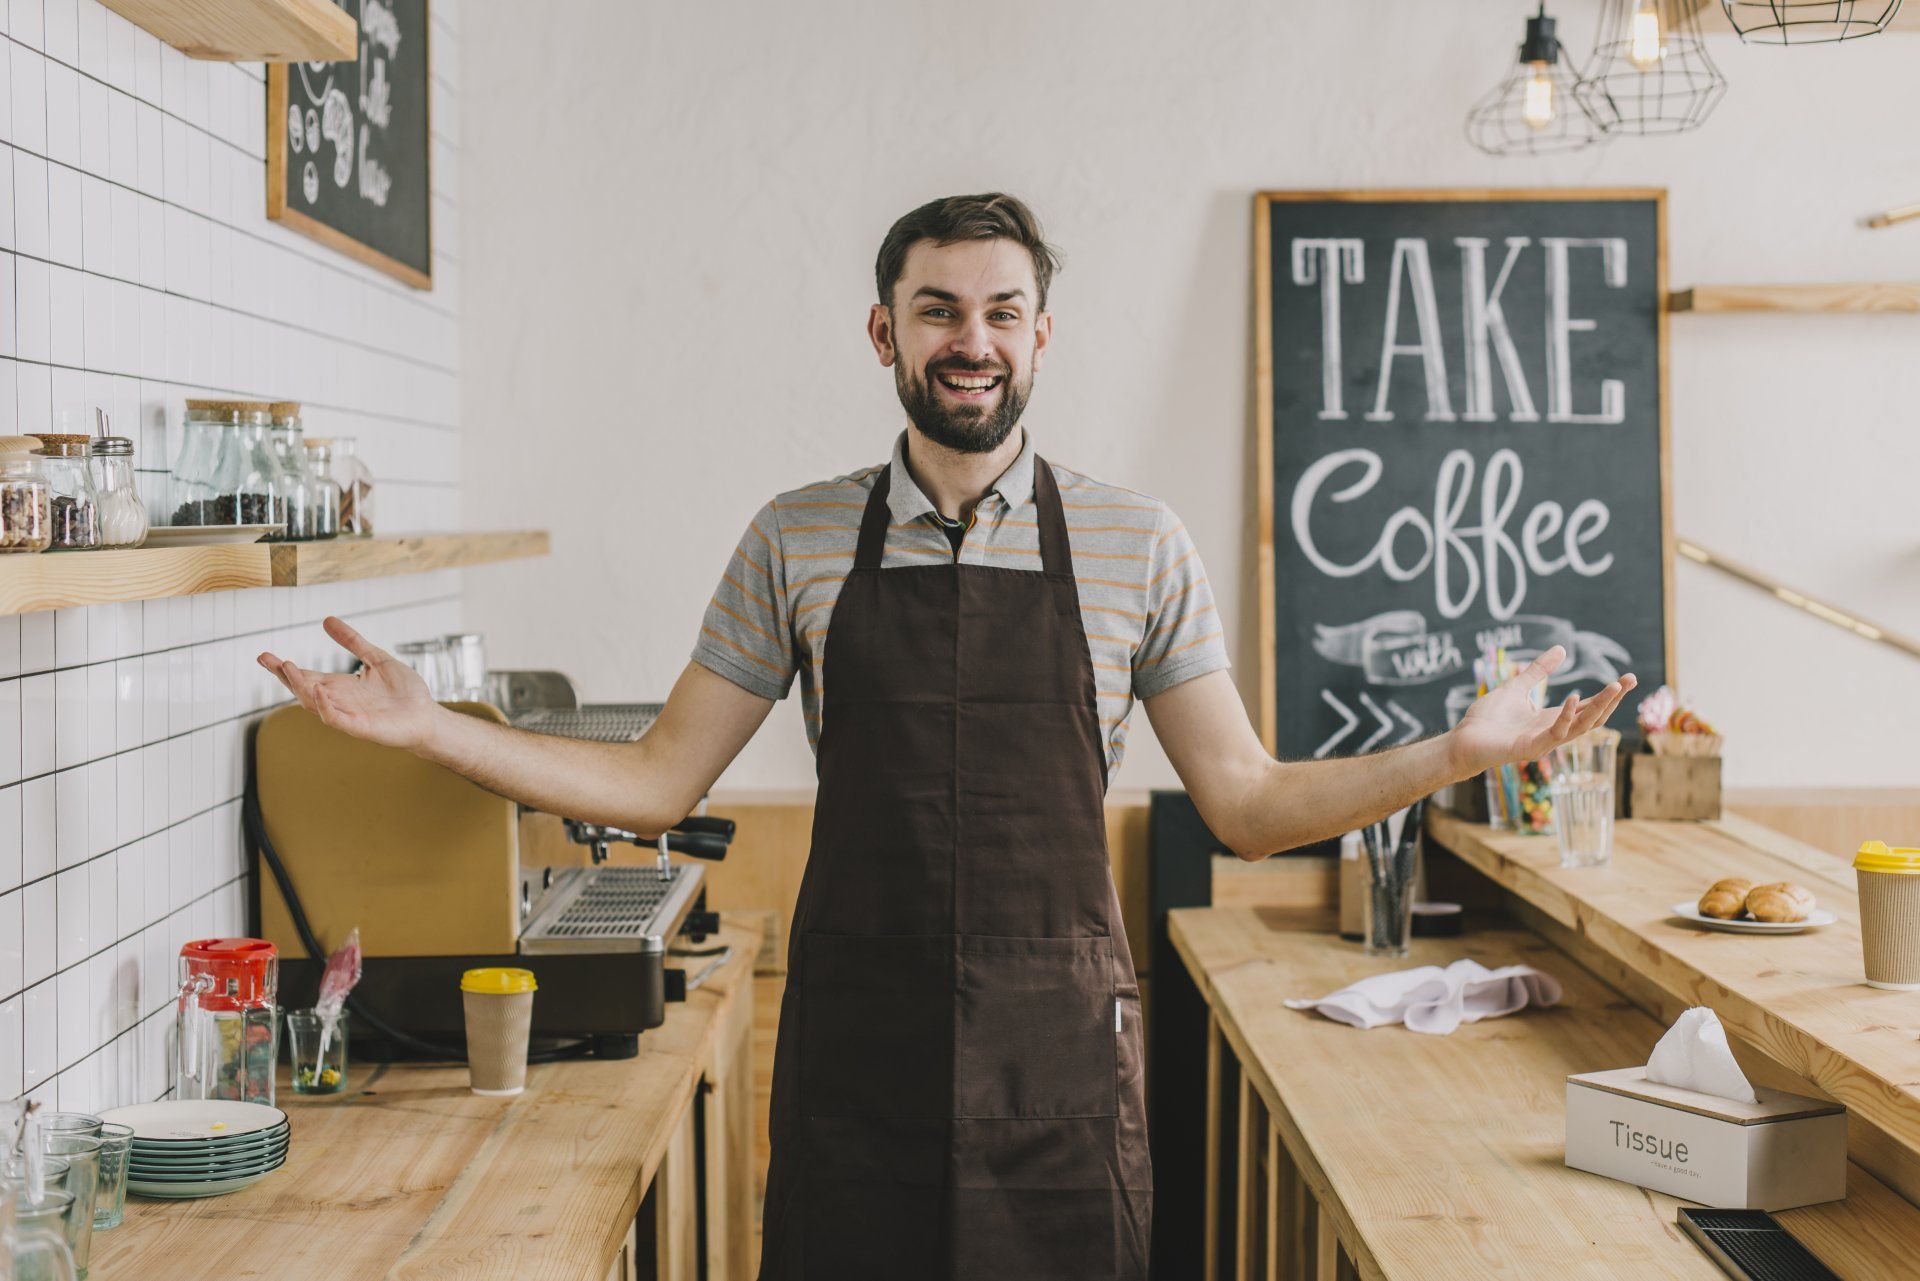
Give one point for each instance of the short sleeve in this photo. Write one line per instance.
(1183, 635)
(745, 635)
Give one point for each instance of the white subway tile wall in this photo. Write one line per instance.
(137, 269)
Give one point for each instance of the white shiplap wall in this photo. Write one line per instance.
(137, 269)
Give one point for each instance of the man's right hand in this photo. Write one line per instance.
(385, 702)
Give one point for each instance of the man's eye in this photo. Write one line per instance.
(936, 313)
(1006, 315)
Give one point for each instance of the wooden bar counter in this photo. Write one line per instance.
(409, 1174)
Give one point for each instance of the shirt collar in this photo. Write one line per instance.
(906, 501)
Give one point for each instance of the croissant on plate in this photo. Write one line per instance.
(1780, 901)
(1725, 898)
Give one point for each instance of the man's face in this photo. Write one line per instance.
(964, 336)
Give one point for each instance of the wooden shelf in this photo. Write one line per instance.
(304, 564)
(248, 30)
(62, 580)
(1868, 298)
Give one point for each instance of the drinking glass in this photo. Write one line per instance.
(316, 1071)
(1390, 886)
(41, 1247)
(69, 1123)
(81, 1152)
(1583, 797)
(110, 1198)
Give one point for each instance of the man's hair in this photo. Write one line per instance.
(992, 216)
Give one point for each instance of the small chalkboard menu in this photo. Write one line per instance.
(1462, 441)
(347, 144)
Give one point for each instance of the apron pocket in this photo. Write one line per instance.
(1035, 1028)
(876, 1025)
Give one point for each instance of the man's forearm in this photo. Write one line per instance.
(1294, 803)
(609, 783)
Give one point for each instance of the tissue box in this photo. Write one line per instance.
(1784, 1151)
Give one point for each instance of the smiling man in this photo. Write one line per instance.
(957, 1085)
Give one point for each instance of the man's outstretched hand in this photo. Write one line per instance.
(1503, 725)
(386, 702)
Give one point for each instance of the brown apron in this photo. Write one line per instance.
(957, 1087)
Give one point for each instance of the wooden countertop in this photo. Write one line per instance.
(1802, 999)
(1444, 1155)
(410, 1174)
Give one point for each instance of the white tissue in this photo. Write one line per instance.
(1693, 1055)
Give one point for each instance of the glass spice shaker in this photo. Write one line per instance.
(123, 516)
(356, 488)
(26, 521)
(326, 494)
(74, 504)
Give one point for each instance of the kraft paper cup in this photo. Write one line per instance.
(499, 1006)
(1890, 915)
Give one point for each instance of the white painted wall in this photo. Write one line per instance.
(671, 213)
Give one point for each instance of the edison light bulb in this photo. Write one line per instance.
(1536, 108)
(1645, 47)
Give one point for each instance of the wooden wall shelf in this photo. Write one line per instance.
(62, 580)
(1868, 298)
(248, 30)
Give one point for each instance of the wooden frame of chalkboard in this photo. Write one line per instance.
(327, 234)
(1425, 653)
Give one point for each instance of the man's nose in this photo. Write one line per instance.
(973, 340)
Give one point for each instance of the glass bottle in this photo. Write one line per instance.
(26, 520)
(293, 485)
(356, 488)
(224, 474)
(326, 494)
(123, 515)
(73, 503)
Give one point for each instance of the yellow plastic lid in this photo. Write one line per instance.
(1877, 856)
(499, 981)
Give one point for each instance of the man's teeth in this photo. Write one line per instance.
(959, 383)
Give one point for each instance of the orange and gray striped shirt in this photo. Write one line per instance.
(1149, 612)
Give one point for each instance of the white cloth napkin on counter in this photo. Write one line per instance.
(1430, 999)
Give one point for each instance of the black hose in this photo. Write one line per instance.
(256, 830)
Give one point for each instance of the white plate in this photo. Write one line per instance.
(1815, 919)
(194, 1120)
(207, 535)
(180, 1191)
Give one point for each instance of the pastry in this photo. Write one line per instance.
(1780, 901)
(1725, 898)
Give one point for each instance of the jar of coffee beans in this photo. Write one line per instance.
(26, 520)
(225, 471)
(73, 503)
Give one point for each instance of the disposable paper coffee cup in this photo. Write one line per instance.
(499, 1008)
(1890, 915)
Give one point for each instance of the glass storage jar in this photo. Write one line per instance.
(293, 486)
(356, 488)
(73, 503)
(326, 494)
(123, 515)
(225, 472)
(26, 521)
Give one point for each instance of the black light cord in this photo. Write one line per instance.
(256, 830)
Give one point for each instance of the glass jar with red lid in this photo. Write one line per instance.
(227, 1032)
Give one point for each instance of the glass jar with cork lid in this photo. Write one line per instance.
(225, 471)
(26, 517)
(326, 494)
(73, 502)
(293, 486)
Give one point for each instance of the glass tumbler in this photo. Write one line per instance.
(81, 1152)
(1390, 885)
(42, 1247)
(1583, 797)
(110, 1198)
(317, 1069)
(69, 1123)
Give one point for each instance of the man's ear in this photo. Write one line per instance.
(880, 331)
(1042, 335)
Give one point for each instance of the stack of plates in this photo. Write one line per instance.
(201, 1148)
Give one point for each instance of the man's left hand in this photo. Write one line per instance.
(1503, 725)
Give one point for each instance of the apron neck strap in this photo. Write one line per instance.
(1056, 554)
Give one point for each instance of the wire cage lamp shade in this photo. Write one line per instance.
(1808, 21)
(1534, 111)
(1650, 72)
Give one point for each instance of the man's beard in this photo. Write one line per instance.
(966, 429)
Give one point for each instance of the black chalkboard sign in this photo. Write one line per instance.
(347, 144)
(1462, 440)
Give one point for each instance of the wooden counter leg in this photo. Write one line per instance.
(729, 1144)
(1327, 1255)
(1216, 1048)
(1250, 1226)
(1277, 1170)
(676, 1207)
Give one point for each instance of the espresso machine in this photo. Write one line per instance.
(441, 876)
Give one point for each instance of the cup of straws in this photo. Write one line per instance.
(1519, 798)
(1392, 868)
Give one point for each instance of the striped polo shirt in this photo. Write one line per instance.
(1149, 612)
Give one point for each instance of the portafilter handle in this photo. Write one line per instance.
(700, 837)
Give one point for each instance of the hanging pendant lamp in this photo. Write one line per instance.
(1534, 111)
(1650, 73)
(1808, 21)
